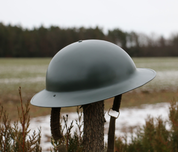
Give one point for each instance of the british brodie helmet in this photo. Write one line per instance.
(89, 71)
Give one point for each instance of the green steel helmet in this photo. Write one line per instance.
(89, 71)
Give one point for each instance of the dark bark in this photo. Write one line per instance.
(94, 127)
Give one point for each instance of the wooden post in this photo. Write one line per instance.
(94, 127)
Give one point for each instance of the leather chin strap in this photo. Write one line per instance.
(56, 128)
(111, 132)
(55, 123)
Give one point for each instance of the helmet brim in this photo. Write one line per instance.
(47, 98)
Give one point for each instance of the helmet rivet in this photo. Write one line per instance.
(54, 95)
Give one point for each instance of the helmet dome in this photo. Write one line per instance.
(89, 71)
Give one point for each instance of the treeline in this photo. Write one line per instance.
(16, 41)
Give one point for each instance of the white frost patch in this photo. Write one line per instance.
(23, 80)
(167, 77)
(129, 117)
(164, 80)
(136, 116)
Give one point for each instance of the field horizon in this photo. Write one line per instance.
(29, 74)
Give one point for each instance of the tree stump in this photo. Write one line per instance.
(94, 127)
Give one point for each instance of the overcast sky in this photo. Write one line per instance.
(146, 16)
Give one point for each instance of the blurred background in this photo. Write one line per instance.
(40, 28)
(32, 32)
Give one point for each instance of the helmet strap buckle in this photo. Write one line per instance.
(114, 114)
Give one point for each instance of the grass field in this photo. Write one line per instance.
(30, 75)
